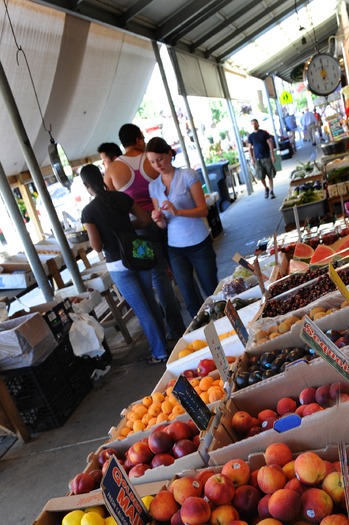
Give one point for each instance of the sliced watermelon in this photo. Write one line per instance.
(297, 266)
(342, 248)
(303, 252)
(322, 255)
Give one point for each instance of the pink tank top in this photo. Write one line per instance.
(138, 185)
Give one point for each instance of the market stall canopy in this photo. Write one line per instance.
(91, 60)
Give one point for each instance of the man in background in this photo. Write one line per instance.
(132, 173)
(108, 152)
(309, 123)
(261, 148)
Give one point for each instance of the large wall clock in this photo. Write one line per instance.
(322, 74)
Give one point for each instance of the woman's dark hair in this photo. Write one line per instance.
(92, 178)
(159, 145)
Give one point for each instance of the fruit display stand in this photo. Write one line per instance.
(337, 176)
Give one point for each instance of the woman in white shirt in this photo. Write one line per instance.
(180, 205)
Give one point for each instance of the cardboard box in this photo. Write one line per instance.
(266, 394)
(25, 341)
(87, 301)
(13, 276)
(21, 258)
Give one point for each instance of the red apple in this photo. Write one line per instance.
(162, 459)
(300, 410)
(316, 505)
(323, 397)
(266, 414)
(284, 504)
(183, 447)
(224, 515)
(333, 484)
(310, 469)
(140, 452)
(206, 366)
(186, 487)
(179, 430)
(245, 501)
(311, 409)
(128, 464)
(196, 441)
(330, 467)
(253, 431)
(238, 471)
(219, 489)
(195, 511)
(82, 483)
(241, 421)
(106, 453)
(268, 423)
(277, 454)
(163, 506)
(160, 441)
(203, 475)
(194, 429)
(97, 475)
(190, 374)
(263, 511)
(271, 478)
(307, 395)
(337, 388)
(138, 470)
(286, 405)
(105, 467)
(176, 519)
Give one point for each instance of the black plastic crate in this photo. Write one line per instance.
(52, 412)
(37, 381)
(58, 319)
(98, 362)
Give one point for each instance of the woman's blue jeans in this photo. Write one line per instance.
(136, 287)
(201, 258)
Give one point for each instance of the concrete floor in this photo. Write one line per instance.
(32, 473)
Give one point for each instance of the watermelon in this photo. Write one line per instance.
(322, 255)
(342, 248)
(297, 266)
(303, 252)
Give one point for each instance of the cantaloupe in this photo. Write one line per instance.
(303, 252)
(322, 255)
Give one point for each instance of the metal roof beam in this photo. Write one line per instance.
(254, 34)
(185, 15)
(134, 11)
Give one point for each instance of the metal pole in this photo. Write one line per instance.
(170, 101)
(178, 73)
(242, 158)
(271, 112)
(278, 107)
(29, 249)
(36, 174)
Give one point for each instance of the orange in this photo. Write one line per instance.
(169, 390)
(184, 353)
(205, 397)
(137, 405)
(134, 416)
(178, 409)
(147, 401)
(205, 383)
(146, 418)
(197, 389)
(172, 399)
(138, 426)
(154, 409)
(221, 383)
(158, 397)
(198, 344)
(215, 395)
(152, 422)
(194, 382)
(216, 382)
(129, 424)
(167, 407)
(141, 409)
(125, 432)
(161, 418)
(172, 416)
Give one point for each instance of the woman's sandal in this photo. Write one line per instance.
(151, 360)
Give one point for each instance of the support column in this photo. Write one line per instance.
(242, 158)
(37, 177)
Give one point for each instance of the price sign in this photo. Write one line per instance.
(240, 260)
(192, 403)
(336, 129)
(120, 497)
(323, 346)
(285, 98)
(338, 282)
(217, 351)
(236, 322)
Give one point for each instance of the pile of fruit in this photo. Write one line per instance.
(198, 344)
(305, 489)
(90, 516)
(309, 401)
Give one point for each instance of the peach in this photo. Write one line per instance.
(253, 479)
(337, 388)
(223, 515)
(316, 505)
(289, 470)
(323, 396)
(203, 475)
(253, 431)
(238, 471)
(310, 469)
(245, 501)
(160, 441)
(333, 484)
(311, 409)
(176, 519)
(296, 485)
(278, 454)
(140, 452)
(179, 430)
(163, 506)
(300, 410)
(186, 487)
(263, 510)
(286, 405)
(271, 478)
(284, 504)
(219, 489)
(270, 521)
(268, 423)
(266, 414)
(307, 395)
(195, 511)
(335, 519)
(241, 421)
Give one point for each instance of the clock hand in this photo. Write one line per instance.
(323, 71)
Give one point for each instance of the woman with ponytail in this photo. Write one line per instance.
(106, 215)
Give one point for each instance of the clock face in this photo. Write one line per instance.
(322, 74)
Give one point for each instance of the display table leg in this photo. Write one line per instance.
(9, 412)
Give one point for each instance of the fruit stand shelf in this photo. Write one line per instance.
(311, 178)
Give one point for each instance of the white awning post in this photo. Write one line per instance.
(170, 101)
(242, 158)
(271, 111)
(179, 77)
(28, 246)
(36, 174)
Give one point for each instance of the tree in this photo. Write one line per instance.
(217, 111)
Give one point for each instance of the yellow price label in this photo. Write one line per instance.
(338, 282)
(286, 98)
